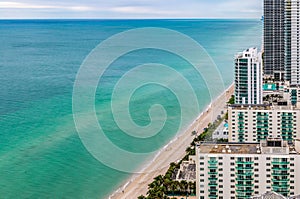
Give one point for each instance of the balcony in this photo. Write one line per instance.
(244, 168)
(281, 182)
(212, 166)
(280, 187)
(249, 173)
(263, 119)
(213, 196)
(242, 196)
(244, 191)
(280, 168)
(213, 184)
(244, 185)
(244, 178)
(212, 162)
(244, 162)
(280, 174)
(281, 190)
(212, 178)
(245, 173)
(287, 131)
(280, 162)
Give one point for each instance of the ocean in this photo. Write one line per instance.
(41, 153)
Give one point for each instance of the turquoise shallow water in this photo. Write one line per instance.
(41, 155)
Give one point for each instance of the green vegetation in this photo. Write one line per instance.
(222, 140)
(164, 187)
(273, 98)
(226, 116)
(231, 100)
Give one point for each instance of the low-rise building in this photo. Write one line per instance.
(187, 170)
(243, 170)
(281, 93)
(253, 123)
(221, 132)
(273, 195)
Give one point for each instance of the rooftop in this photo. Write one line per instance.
(262, 107)
(271, 146)
(234, 148)
(249, 53)
(274, 195)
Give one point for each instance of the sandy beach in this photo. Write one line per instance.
(175, 151)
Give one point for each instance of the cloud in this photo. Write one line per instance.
(142, 10)
(130, 9)
(80, 8)
(18, 5)
(235, 6)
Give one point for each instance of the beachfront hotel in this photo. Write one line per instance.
(248, 77)
(242, 170)
(254, 123)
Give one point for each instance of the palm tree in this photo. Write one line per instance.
(167, 184)
(194, 133)
(159, 179)
(183, 187)
(192, 186)
(173, 187)
(152, 185)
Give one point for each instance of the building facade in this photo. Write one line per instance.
(294, 92)
(239, 171)
(258, 122)
(292, 43)
(274, 38)
(273, 195)
(248, 77)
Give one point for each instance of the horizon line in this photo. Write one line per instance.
(202, 18)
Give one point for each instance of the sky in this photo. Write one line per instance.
(123, 9)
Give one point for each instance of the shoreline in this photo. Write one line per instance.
(137, 183)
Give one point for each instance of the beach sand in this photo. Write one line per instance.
(175, 151)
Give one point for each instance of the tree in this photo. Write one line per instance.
(192, 187)
(231, 100)
(226, 116)
(173, 188)
(167, 184)
(194, 133)
(184, 186)
(160, 180)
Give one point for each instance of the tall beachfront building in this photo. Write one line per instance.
(239, 171)
(274, 38)
(292, 41)
(282, 40)
(248, 77)
(258, 122)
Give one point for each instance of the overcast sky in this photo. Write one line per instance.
(35, 9)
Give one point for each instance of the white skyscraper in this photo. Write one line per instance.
(248, 77)
(292, 42)
(295, 43)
